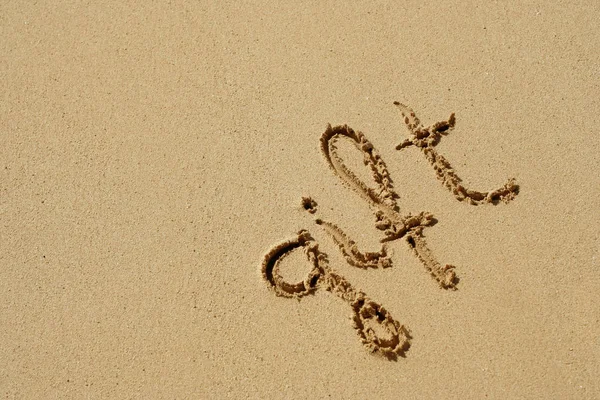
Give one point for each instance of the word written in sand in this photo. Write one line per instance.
(377, 330)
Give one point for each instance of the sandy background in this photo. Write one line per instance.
(152, 153)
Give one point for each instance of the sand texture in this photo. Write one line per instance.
(325, 200)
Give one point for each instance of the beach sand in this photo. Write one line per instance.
(152, 156)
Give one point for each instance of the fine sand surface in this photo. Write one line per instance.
(153, 155)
